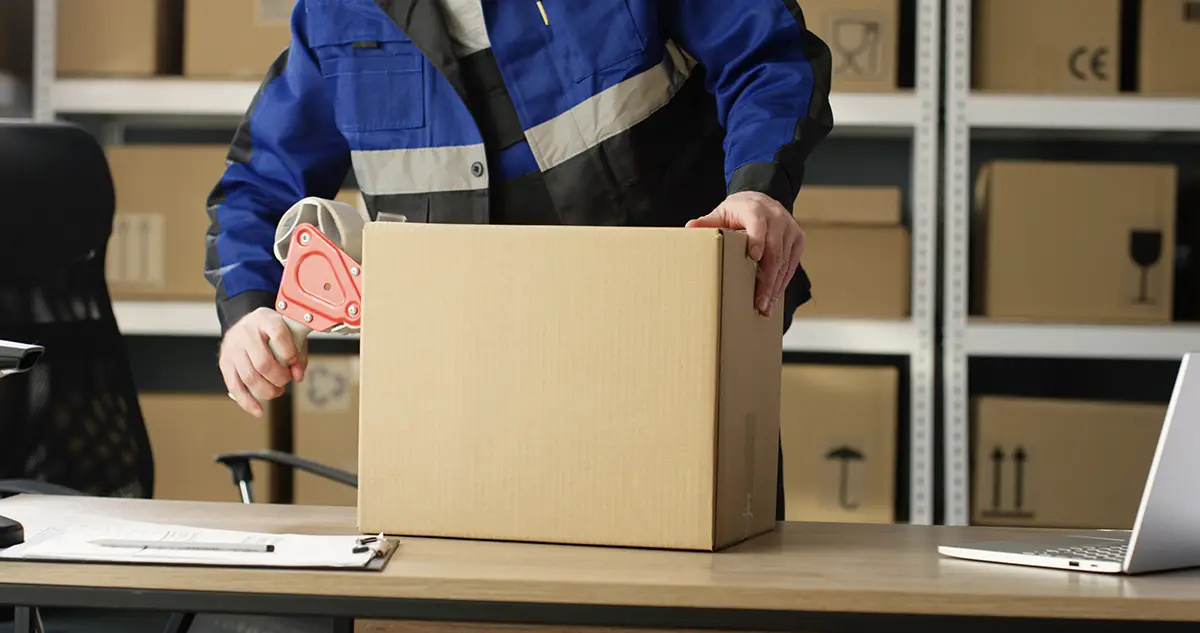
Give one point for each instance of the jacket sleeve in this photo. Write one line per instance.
(770, 76)
(287, 147)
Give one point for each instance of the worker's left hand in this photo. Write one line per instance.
(776, 241)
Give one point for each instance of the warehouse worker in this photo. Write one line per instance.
(586, 112)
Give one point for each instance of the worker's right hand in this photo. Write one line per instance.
(253, 372)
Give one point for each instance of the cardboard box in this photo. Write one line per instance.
(187, 431)
(1168, 46)
(839, 442)
(118, 38)
(1075, 242)
(325, 428)
(156, 250)
(863, 37)
(566, 384)
(872, 206)
(857, 271)
(1061, 463)
(1047, 46)
(234, 39)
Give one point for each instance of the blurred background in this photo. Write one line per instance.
(1002, 238)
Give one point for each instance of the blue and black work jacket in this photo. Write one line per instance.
(589, 112)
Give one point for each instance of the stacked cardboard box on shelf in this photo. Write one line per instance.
(1075, 47)
(118, 38)
(200, 39)
(857, 254)
(234, 39)
(187, 430)
(863, 37)
(325, 428)
(1075, 242)
(1061, 463)
(839, 428)
(1169, 47)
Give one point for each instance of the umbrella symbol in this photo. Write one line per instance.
(845, 455)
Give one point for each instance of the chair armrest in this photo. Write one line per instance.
(31, 487)
(239, 466)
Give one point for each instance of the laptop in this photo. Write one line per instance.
(1166, 532)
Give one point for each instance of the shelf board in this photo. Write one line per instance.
(1035, 340)
(1112, 114)
(171, 97)
(851, 336)
(876, 111)
(153, 97)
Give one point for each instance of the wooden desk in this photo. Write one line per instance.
(810, 577)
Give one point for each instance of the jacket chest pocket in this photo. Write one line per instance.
(592, 35)
(378, 85)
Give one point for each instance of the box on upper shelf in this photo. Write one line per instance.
(863, 37)
(1169, 45)
(1074, 242)
(234, 39)
(1047, 46)
(118, 38)
(1029, 469)
(187, 430)
(325, 428)
(857, 253)
(567, 384)
(839, 428)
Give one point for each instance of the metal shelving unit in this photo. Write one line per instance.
(1120, 117)
(913, 114)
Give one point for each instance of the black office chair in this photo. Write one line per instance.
(72, 424)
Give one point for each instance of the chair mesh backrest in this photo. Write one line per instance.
(74, 419)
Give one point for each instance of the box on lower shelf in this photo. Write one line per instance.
(188, 430)
(1059, 463)
(325, 428)
(839, 426)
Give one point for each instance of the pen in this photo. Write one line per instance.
(187, 545)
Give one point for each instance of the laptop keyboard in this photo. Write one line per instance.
(1106, 553)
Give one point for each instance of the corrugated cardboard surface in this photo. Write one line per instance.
(118, 38)
(839, 443)
(325, 428)
(857, 271)
(1061, 463)
(156, 250)
(566, 384)
(1056, 241)
(1169, 46)
(234, 39)
(863, 36)
(188, 430)
(848, 205)
(1047, 46)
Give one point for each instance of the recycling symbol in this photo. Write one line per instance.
(324, 386)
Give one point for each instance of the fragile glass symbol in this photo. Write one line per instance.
(856, 41)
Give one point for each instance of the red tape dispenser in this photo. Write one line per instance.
(322, 285)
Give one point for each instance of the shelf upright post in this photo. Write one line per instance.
(923, 202)
(956, 220)
(45, 44)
